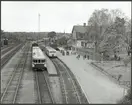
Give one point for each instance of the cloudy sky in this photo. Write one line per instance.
(54, 16)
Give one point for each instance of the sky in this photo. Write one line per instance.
(18, 16)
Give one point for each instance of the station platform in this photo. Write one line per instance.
(50, 67)
(97, 87)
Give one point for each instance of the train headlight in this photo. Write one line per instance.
(45, 65)
(33, 65)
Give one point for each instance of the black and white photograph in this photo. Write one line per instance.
(66, 52)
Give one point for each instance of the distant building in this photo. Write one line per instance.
(81, 37)
(29, 39)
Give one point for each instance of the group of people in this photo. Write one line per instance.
(84, 57)
(78, 56)
(117, 57)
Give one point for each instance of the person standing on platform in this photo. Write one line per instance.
(78, 57)
(88, 57)
(84, 57)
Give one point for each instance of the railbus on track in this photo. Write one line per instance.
(51, 52)
(38, 59)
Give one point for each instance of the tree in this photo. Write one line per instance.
(127, 98)
(62, 41)
(128, 36)
(109, 30)
(99, 20)
(98, 23)
(113, 39)
(115, 13)
(52, 34)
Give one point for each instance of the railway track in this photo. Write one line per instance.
(43, 88)
(8, 56)
(4, 47)
(11, 91)
(6, 50)
(70, 88)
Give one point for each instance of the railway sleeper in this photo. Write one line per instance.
(12, 86)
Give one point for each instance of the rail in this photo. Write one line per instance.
(10, 93)
(70, 89)
(6, 50)
(43, 88)
(7, 57)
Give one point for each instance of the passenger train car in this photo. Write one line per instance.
(50, 52)
(38, 59)
(61, 49)
(4, 42)
(34, 44)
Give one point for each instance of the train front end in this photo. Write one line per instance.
(38, 59)
(39, 64)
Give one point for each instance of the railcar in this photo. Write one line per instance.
(38, 59)
(61, 49)
(51, 52)
(34, 44)
(6, 41)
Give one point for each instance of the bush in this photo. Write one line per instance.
(126, 99)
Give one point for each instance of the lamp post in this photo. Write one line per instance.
(95, 48)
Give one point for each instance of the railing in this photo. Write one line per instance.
(126, 83)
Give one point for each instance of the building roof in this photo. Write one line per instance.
(83, 30)
(80, 28)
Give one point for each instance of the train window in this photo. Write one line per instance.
(43, 61)
(52, 52)
(38, 61)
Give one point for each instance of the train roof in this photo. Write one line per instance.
(60, 48)
(37, 53)
(50, 48)
(36, 47)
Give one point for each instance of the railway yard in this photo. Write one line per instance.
(60, 83)
(66, 52)
(21, 84)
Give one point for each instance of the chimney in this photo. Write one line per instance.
(84, 24)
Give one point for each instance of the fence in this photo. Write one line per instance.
(125, 83)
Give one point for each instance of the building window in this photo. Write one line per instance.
(85, 44)
(91, 37)
(82, 43)
(81, 35)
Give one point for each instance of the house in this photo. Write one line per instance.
(81, 37)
